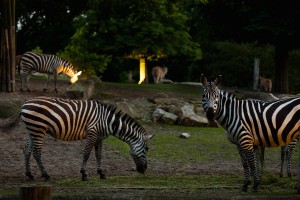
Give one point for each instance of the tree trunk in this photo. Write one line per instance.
(35, 192)
(7, 46)
(281, 60)
(143, 71)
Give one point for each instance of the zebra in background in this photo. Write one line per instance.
(45, 63)
(251, 123)
(72, 120)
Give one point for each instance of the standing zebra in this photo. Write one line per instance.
(72, 120)
(251, 123)
(44, 63)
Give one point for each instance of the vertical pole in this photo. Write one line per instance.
(256, 73)
(298, 169)
(7, 46)
(142, 70)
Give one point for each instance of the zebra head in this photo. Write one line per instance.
(210, 96)
(75, 77)
(138, 153)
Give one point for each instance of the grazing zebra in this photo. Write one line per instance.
(44, 63)
(251, 123)
(72, 120)
(286, 156)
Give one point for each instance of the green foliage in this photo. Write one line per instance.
(37, 49)
(235, 62)
(130, 29)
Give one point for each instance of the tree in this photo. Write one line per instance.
(7, 45)
(266, 22)
(145, 30)
(46, 23)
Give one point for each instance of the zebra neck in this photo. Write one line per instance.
(126, 132)
(225, 108)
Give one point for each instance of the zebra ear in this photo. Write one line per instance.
(147, 137)
(203, 80)
(218, 80)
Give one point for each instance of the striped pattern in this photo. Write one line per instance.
(72, 120)
(286, 157)
(44, 63)
(251, 123)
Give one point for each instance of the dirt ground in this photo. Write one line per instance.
(67, 164)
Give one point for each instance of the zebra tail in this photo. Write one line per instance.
(11, 122)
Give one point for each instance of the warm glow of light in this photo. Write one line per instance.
(75, 77)
(142, 70)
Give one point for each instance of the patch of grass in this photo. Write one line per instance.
(191, 90)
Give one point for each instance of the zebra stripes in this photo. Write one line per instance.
(44, 63)
(72, 120)
(251, 123)
(286, 157)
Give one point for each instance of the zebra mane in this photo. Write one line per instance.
(66, 62)
(228, 94)
(124, 116)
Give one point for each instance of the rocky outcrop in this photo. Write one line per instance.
(162, 109)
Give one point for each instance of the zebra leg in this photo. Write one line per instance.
(55, 83)
(253, 166)
(260, 153)
(247, 174)
(262, 160)
(25, 82)
(98, 153)
(288, 160)
(91, 140)
(46, 84)
(37, 154)
(27, 153)
(283, 155)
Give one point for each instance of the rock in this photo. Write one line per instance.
(189, 118)
(129, 109)
(81, 90)
(161, 116)
(184, 135)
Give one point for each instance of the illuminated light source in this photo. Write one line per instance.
(142, 70)
(75, 77)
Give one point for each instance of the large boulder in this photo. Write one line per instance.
(188, 117)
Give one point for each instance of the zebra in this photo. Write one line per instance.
(251, 123)
(72, 120)
(286, 156)
(45, 63)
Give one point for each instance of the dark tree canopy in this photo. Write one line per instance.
(265, 22)
(47, 23)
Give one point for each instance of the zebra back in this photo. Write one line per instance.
(70, 120)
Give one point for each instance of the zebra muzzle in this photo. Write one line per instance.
(141, 168)
(210, 114)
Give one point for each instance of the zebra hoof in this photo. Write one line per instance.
(103, 177)
(49, 180)
(84, 178)
(244, 189)
(31, 178)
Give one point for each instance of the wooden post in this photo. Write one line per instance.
(256, 74)
(35, 192)
(7, 46)
(298, 169)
